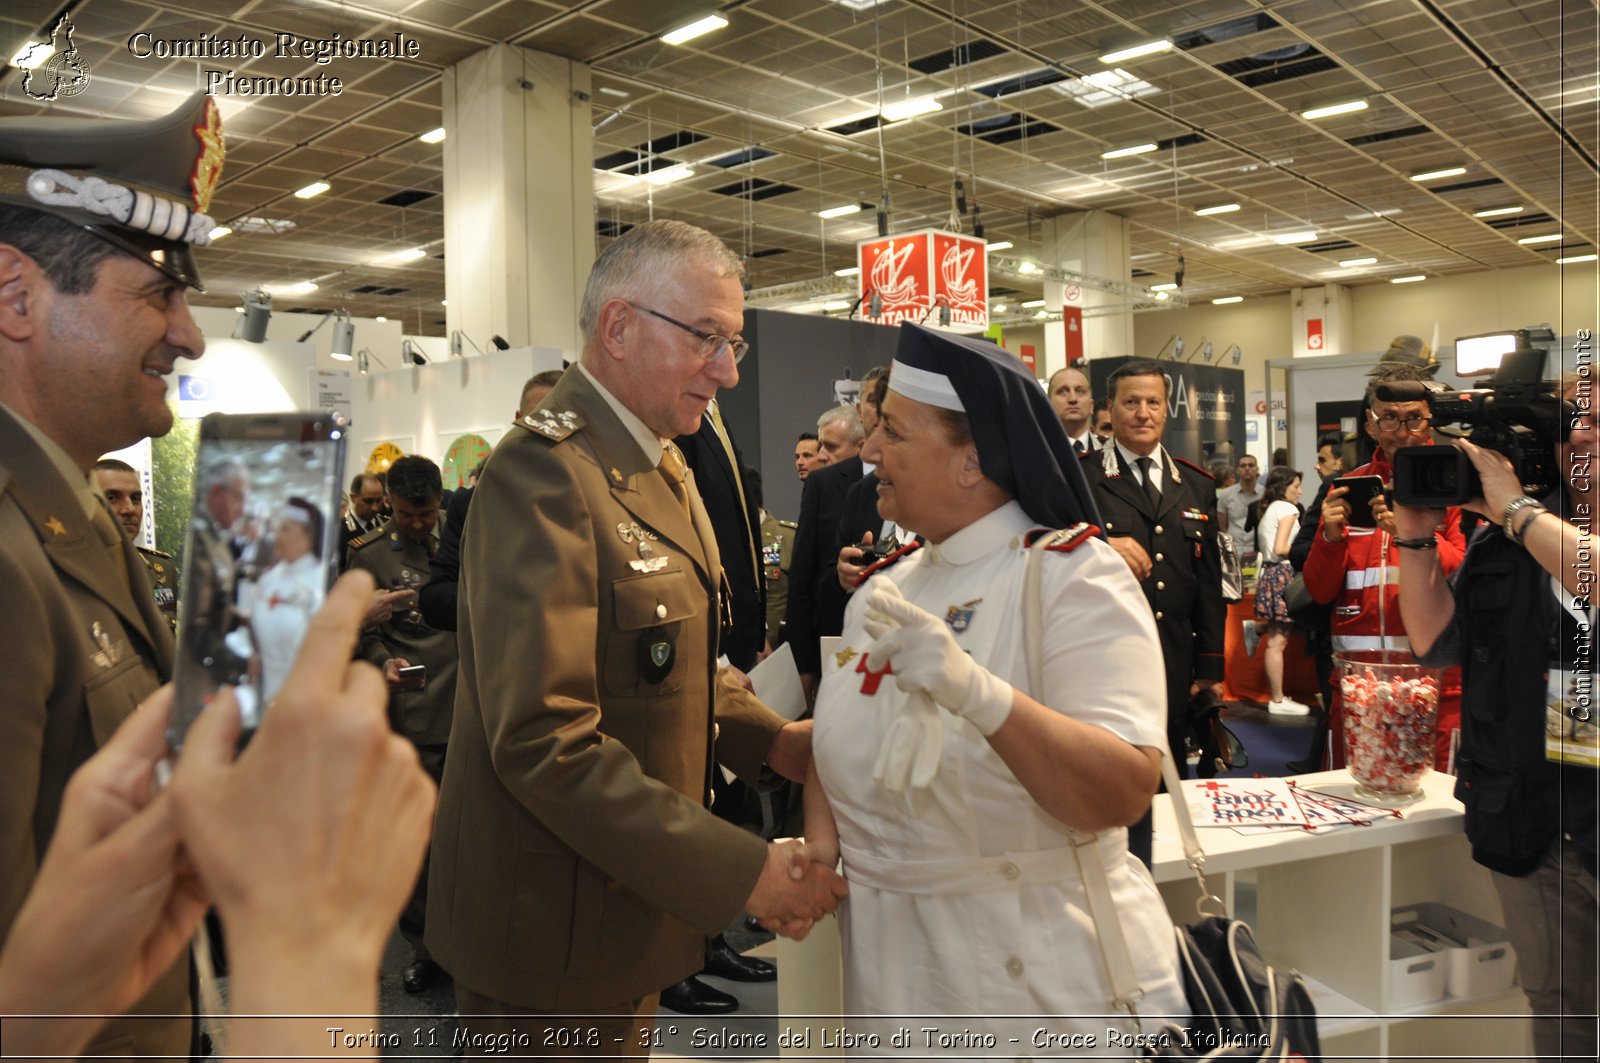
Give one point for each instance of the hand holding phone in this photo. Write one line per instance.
(401, 674)
(1360, 493)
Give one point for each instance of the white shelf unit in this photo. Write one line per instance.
(1321, 906)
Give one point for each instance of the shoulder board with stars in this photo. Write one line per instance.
(1064, 540)
(1192, 465)
(872, 570)
(366, 538)
(153, 552)
(554, 425)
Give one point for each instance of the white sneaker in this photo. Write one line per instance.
(1252, 635)
(1288, 707)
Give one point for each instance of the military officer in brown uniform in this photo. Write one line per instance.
(576, 869)
(777, 548)
(119, 484)
(397, 554)
(92, 321)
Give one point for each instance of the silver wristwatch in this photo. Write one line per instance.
(1515, 506)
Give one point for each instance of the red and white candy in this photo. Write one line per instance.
(1388, 729)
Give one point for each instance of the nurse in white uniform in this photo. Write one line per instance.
(950, 789)
(288, 593)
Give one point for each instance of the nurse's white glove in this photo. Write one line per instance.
(927, 658)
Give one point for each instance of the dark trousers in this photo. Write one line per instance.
(412, 918)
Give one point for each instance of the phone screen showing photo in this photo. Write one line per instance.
(261, 552)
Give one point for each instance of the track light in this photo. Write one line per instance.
(411, 354)
(252, 324)
(363, 357)
(500, 343)
(344, 336)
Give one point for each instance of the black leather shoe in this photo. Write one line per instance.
(420, 976)
(694, 997)
(723, 962)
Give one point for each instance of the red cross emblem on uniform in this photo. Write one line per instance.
(869, 685)
(273, 601)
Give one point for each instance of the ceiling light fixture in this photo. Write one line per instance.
(410, 254)
(1496, 212)
(32, 55)
(669, 175)
(1572, 260)
(607, 90)
(1000, 245)
(1545, 239)
(904, 109)
(1226, 299)
(1220, 208)
(840, 212)
(1041, 314)
(1162, 297)
(1298, 236)
(695, 29)
(1351, 263)
(1407, 280)
(344, 336)
(1137, 50)
(1348, 107)
(1163, 287)
(999, 308)
(256, 311)
(837, 304)
(380, 317)
(292, 288)
(433, 136)
(1032, 304)
(219, 232)
(1027, 267)
(1434, 175)
(315, 188)
(1122, 153)
(848, 271)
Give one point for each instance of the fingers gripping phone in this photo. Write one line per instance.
(1363, 489)
(261, 552)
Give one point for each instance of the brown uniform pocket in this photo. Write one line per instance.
(649, 608)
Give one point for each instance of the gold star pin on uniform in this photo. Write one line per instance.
(55, 526)
(845, 656)
(616, 474)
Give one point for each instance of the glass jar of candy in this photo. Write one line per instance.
(1391, 707)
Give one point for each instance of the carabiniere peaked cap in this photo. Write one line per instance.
(143, 186)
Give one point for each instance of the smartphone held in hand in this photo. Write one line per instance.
(261, 553)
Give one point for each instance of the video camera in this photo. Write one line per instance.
(1518, 415)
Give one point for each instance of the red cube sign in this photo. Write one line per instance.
(914, 274)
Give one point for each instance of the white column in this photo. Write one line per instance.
(1096, 243)
(1321, 321)
(519, 197)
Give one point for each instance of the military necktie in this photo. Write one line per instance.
(1077, 446)
(1150, 490)
(676, 472)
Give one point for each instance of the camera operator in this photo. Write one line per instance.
(1518, 611)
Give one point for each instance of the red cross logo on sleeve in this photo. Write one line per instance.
(869, 685)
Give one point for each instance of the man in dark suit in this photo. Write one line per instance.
(93, 319)
(1160, 514)
(1071, 399)
(816, 604)
(575, 868)
(718, 469)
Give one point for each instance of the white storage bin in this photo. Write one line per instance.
(1417, 973)
(1477, 958)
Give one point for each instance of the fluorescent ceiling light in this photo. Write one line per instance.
(1332, 109)
(1220, 208)
(839, 212)
(1545, 239)
(410, 254)
(32, 55)
(1000, 245)
(838, 304)
(1574, 259)
(900, 111)
(1227, 299)
(1041, 314)
(432, 136)
(1407, 280)
(315, 188)
(1297, 236)
(1239, 241)
(848, 271)
(1496, 212)
(1147, 48)
(219, 232)
(380, 317)
(803, 308)
(1027, 267)
(1168, 287)
(1162, 296)
(1434, 175)
(607, 90)
(1106, 86)
(1032, 304)
(669, 175)
(1350, 263)
(1122, 153)
(999, 308)
(694, 29)
(292, 288)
